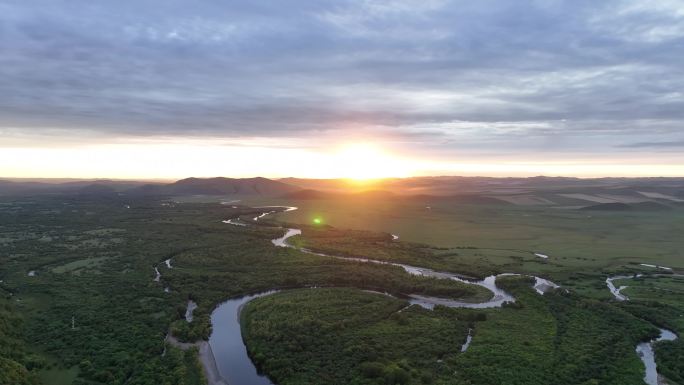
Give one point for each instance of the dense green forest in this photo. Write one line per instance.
(79, 304)
(558, 338)
(660, 300)
(345, 336)
(93, 313)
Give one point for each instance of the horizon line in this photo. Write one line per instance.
(161, 180)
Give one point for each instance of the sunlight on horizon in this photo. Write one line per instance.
(359, 162)
(363, 162)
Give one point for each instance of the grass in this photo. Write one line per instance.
(584, 247)
(74, 266)
(573, 239)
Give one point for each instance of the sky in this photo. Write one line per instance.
(178, 88)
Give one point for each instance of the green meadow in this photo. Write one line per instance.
(572, 238)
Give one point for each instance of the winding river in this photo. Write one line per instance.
(617, 291)
(647, 355)
(230, 353)
(645, 349)
(498, 298)
(234, 365)
(225, 356)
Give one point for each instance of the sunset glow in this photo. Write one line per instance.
(364, 161)
(356, 90)
(355, 161)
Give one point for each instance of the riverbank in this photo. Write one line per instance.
(206, 357)
(645, 350)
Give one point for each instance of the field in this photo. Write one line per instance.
(574, 239)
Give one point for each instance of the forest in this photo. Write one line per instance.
(80, 304)
(91, 311)
(557, 338)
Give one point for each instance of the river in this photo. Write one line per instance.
(499, 296)
(230, 353)
(225, 357)
(644, 350)
(647, 355)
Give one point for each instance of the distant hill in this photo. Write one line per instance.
(8, 187)
(317, 194)
(89, 187)
(320, 184)
(458, 185)
(653, 206)
(97, 189)
(608, 207)
(310, 194)
(608, 194)
(643, 206)
(459, 199)
(219, 186)
(190, 186)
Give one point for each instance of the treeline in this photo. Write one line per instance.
(347, 336)
(559, 338)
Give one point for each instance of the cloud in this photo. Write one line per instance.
(672, 144)
(490, 75)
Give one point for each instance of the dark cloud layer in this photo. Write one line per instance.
(564, 74)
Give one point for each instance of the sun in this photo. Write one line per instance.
(363, 162)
